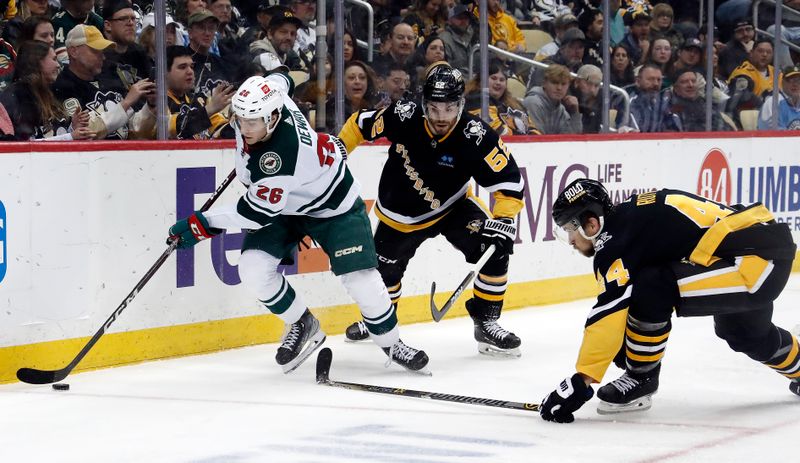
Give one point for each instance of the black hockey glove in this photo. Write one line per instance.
(570, 395)
(500, 232)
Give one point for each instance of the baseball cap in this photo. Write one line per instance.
(87, 35)
(590, 70)
(111, 7)
(457, 10)
(743, 22)
(201, 15)
(692, 43)
(572, 35)
(286, 17)
(564, 20)
(270, 9)
(150, 20)
(791, 71)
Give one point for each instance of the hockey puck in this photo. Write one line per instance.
(61, 386)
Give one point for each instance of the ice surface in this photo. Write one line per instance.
(237, 406)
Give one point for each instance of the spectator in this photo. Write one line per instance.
(431, 51)
(174, 36)
(649, 104)
(660, 54)
(30, 103)
(111, 115)
(264, 14)
(591, 23)
(37, 28)
(402, 40)
(234, 53)
(503, 27)
(561, 25)
(126, 61)
(621, 67)
(458, 38)
(349, 50)
(617, 23)
(73, 12)
(688, 108)
(7, 58)
(662, 27)
(788, 33)
(587, 90)
(186, 8)
(209, 70)
(506, 115)
(637, 40)
(751, 82)
(360, 92)
(551, 109)
(281, 36)
(305, 94)
(738, 48)
(788, 103)
(690, 57)
(304, 46)
(395, 86)
(27, 8)
(427, 18)
(570, 55)
(191, 116)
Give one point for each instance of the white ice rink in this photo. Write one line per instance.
(236, 406)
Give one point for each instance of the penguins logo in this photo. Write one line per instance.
(405, 110)
(475, 129)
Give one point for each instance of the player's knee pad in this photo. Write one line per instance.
(259, 272)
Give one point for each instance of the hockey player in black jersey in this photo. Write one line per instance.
(666, 250)
(425, 191)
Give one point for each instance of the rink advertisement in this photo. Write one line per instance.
(80, 222)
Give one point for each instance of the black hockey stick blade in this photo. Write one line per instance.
(324, 359)
(34, 376)
(437, 313)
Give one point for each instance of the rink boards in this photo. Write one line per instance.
(80, 223)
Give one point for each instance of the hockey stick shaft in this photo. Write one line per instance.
(325, 357)
(437, 313)
(35, 376)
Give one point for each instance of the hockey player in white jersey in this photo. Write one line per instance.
(297, 185)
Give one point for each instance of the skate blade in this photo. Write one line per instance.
(424, 371)
(494, 351)
(639, 405)
(313, 344)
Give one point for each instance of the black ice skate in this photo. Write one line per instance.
(301, 340)
(627, 393)
(492, 338)
(356, 332)
(794, 386)
(411, 359)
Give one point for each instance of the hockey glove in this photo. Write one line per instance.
(191, 231)
(570, 395)
(500, 232)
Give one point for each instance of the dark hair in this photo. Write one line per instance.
(627, 76)
(28, 70)
(587, 17)
(395, 66)
(371, 91)
(651, 66)
(758, 41)
(176, 51)
(28, 29)
(422, 50)
(356, 51)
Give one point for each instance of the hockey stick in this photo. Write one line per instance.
(438, 314)
(325, 357)
(34, 376)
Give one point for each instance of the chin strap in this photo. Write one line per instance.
(593, 237)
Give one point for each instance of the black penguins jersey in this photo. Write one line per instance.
(654, 229)
(101, 101)
(424, 174)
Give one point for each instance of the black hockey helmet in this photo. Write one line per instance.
(579, 197)
(443, 83)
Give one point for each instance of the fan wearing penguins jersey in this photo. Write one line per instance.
(670, 251)
(297, 185)
(425, 191)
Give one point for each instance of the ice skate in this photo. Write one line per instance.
(627, 394)
(794, 386)
(301, 340)
(411, 359)
(492, 338)
(356, 332)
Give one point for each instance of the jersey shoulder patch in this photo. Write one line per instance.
(404, 109)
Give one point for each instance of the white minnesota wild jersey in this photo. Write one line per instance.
(295, 172)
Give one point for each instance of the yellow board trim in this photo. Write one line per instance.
(176, 341)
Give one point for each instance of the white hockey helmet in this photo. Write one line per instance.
(255, 98)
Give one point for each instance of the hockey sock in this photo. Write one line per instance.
(786, 359)
(285, 303)
(372, 297)
(645, 343)
(395, 291)
(490, 289)
(259, 273)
